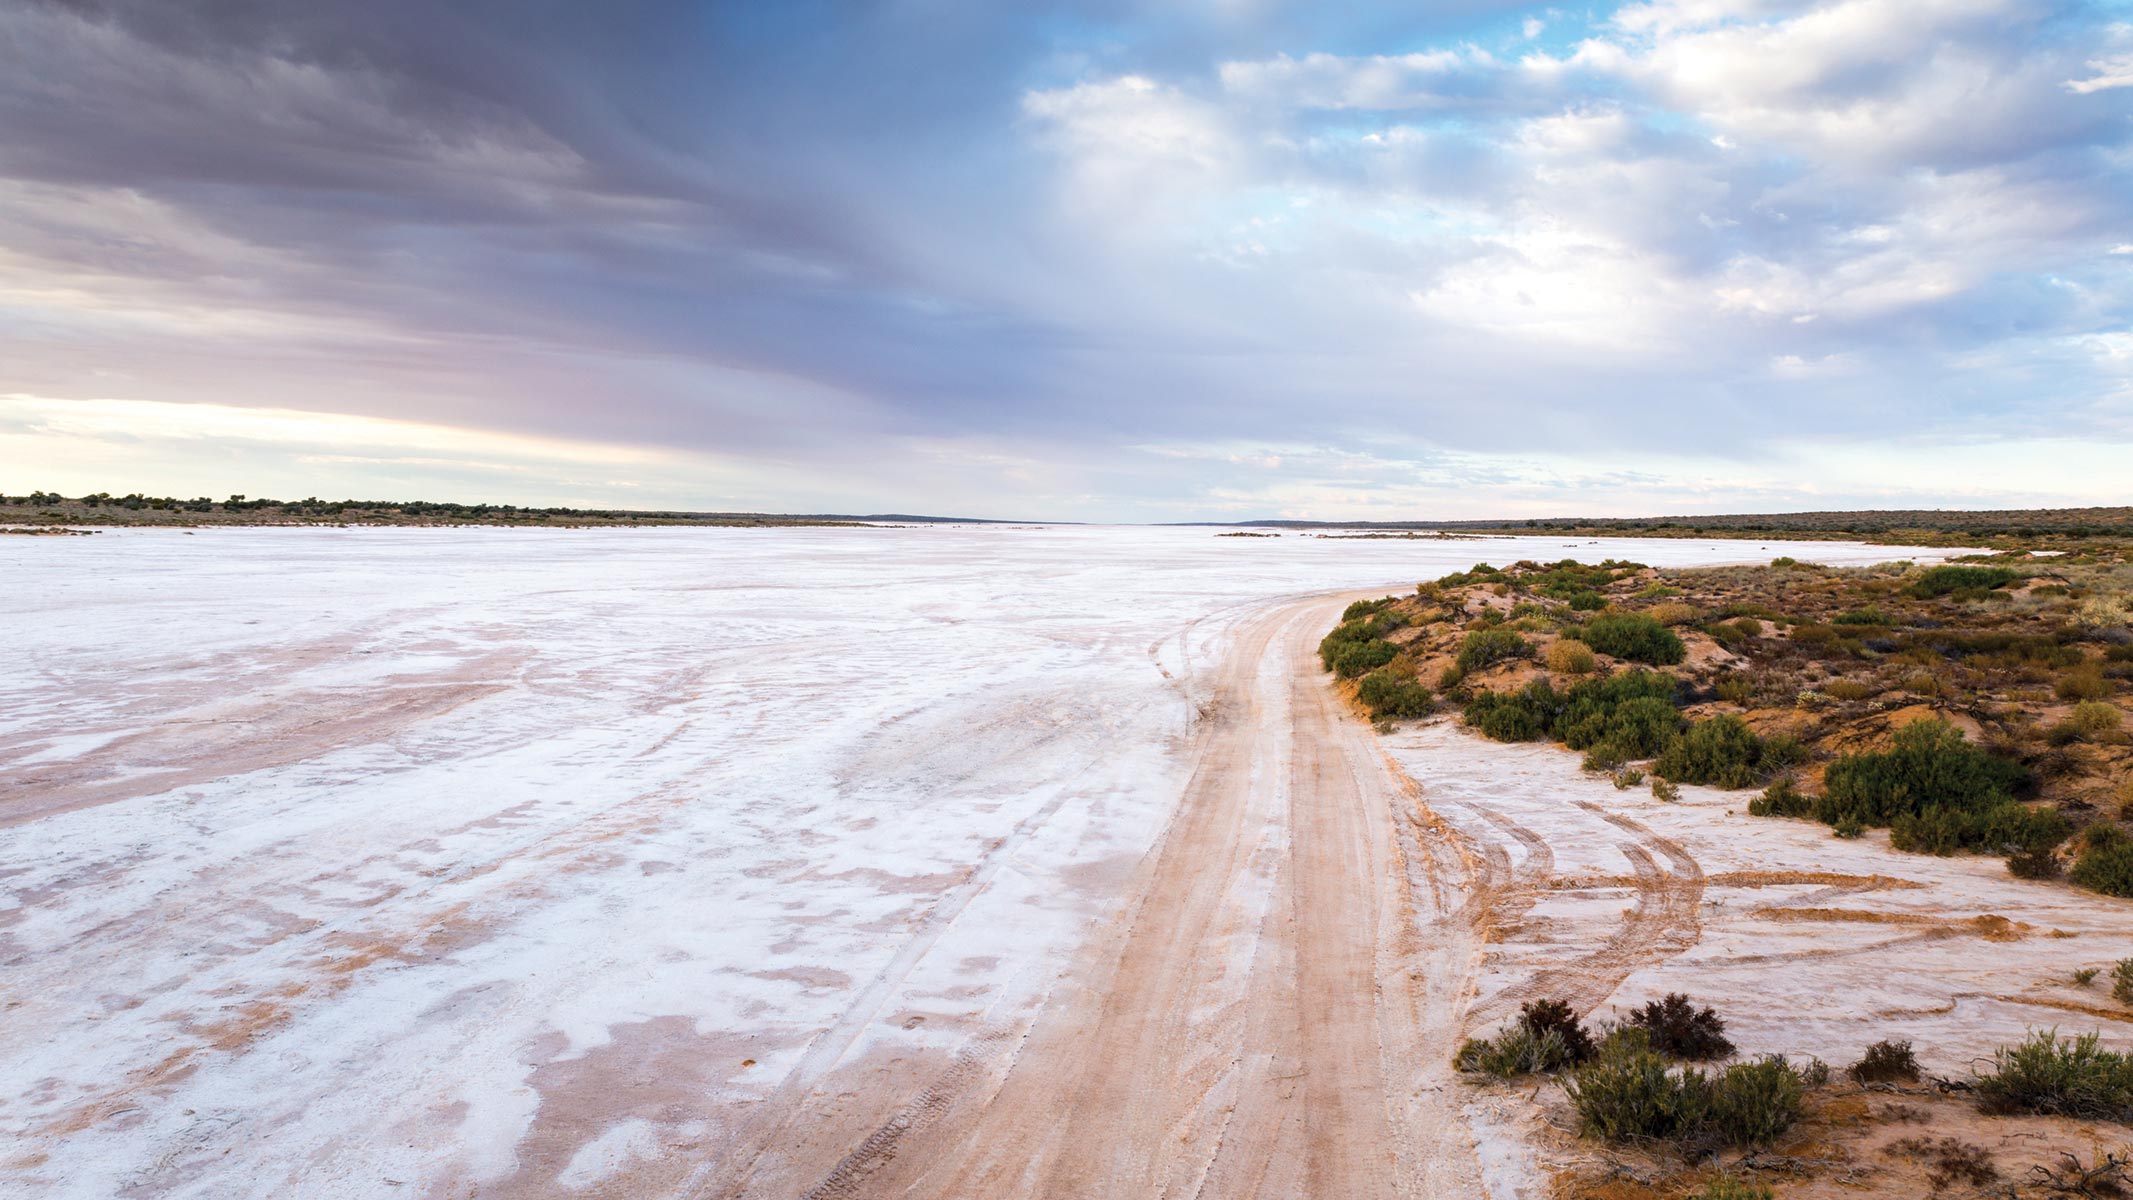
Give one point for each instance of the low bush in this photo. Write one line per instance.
(1634, 637)
(1355, 632)
(1514, 1052)
(1865, 616)
(1570, 658)
(1782, 799)
(1665, 789)
(1676, 1027)
(1886, 1062)
(1928, 762)
(1558, 1018)
(1386, 693)
(2122, 981)
(1727, 1187)
(2094, 719)
(1947, 578)
(1754, 1103)
(1672, 614)
(2082, 683)
(1487, 647)
(1526, 715)
(1722, 752)
(1364, 608)
(2003, 828)
(2067, 1077)
(1630, 1094)
(2104, 862)
(1351, 659)
(1546, 1037)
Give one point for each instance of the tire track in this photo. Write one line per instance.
(1272, 1012)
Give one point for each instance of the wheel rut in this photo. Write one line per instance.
(1271, 1011)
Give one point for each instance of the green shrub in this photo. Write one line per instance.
(1359, 631)
(1754, 1103)
(1387, 693)
(1886, 1062)
(1941, 580)
(1356, 658)
(1928, 763)
(1629, 1094)
(1782, 799)
(1676, 1027)
(1547, 1037)
(1514, 1052)
(1864, 616)
(1487, 647)
(2003, 828)
(1364, 608)
(1526, 715)
(2105, 863)
(1665, 789)
(1635, 707)
(1722, 752)
(2068, 1077)
(1635, 637)
(2122, 981)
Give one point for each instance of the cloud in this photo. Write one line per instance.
(884, 257)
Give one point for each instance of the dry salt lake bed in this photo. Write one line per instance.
(951, 861)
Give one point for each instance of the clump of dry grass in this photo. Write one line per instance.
(1570, 658)
(1673, 613)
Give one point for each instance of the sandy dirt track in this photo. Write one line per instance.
(1272, 1013)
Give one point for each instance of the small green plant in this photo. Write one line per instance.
(2105, 861)
(1722, 752)
(1847, 828)
(1629, 1093)
(1634, 637)
(1942, 580)
(1386, 693)
(1665, 789)
(2068, 1077)
(1487, 647)
(2122, 981)
(2085, 976)
(1886, 1062)
(1546, 1037)
(1782, 798)
(1627, 778)
(1754, 1103)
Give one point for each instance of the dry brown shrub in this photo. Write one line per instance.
(1571, 658)
(1673, 614)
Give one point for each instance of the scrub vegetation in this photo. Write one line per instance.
(1972, 707)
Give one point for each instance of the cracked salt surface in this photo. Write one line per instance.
(359, 862)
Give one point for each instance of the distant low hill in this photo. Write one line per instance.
(1869, 524)
(103, 508)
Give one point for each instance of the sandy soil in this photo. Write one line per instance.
(927, 862)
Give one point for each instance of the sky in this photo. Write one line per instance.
(1207, 259)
